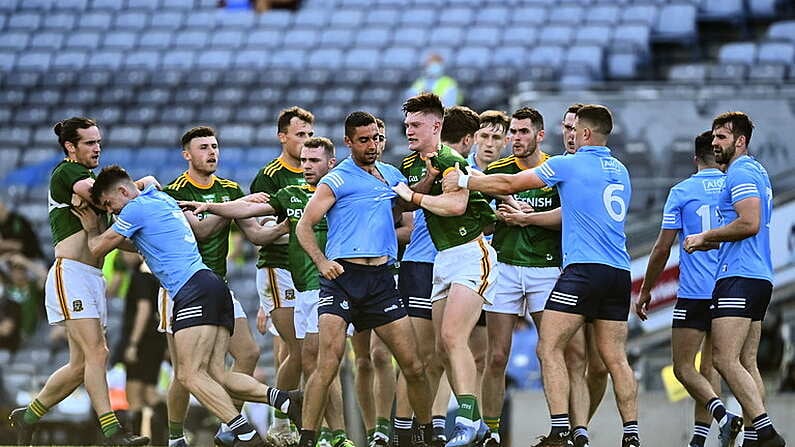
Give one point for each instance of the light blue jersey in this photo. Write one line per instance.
(692, 207)
(750, 257)
(594, 194)
(472, 163)
(360, 223)
(420, 248)
(159, 230)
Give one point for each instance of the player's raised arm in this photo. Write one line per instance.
(495, 183)
(453, 203)
(318, 206)
(236, 209)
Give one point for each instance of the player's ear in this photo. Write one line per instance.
(540, 136)
(185, 154)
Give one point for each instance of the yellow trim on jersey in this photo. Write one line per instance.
(278, 163)
(485, 268)
(197, 184)
(277, 302)
(60, 293)
(409, 160)
(447, 171)
(501, 162)
(288, 167)
(310, 188)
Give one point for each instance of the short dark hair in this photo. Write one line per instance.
(425, 102)
(703, 147)
(293, 112)
(459, 121)
(574, 108)
(196, 132)
(380, 123)
(109, 177)
(321, 142)
(495, 118)
(67, 130)
(357, 119)
(598, 116)
(525, 113)
(740, 124)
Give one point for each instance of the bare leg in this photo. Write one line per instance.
(364, 378)
(729, 334)
(596, 374)
(611, 338)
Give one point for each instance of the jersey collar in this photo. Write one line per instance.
(708, 172)
(193, 182)
(288, 167)
(595, 149)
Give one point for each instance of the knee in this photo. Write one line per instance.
(453, 339)
(683, 372)
(184, 378)
(364, 365)
(382, 358)
(96, 356)
(597, 365)
(247, 360)
(498, 360)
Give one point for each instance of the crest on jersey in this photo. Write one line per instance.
(77, 306)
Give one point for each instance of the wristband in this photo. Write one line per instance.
(463, 180)
(416, 198)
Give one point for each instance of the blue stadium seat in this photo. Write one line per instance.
(39, 61)
(200, 20)
(251, 115)
(593, 35)
(70, 58)
(603, 14)
(784, 30)
(176, 115)
(17, 40)
(71, 5)
(510, 55)
(131, 78)
(125, 135)
(181, 5)
(473, 57)
(762, 9)
(167, 20)
(47, 41)
(728, 72)
(556, 35)
(288, 58)
(546, 56)
(722, 10)
(157, 40)
(516, 35)
(567, 14)
(416, 37)
(30, 116)
(252, 59)
(60, 21)
(263, 39)
(347, 17)
(622, 65)
(120, 40)
(691, 73)
(767, 72)
(400, 57)
(191, 39)
(25, 21)
(676, 23)
(158, 135)
(336, 38)
(109, 5)
(373, 38)
(493, 15)
(275, 19)
(329, 58)
(445, 37)
(131, 20)
(81, 97)
(635, 35)
(418, 17)
(589, 56)
(237, 135)
(10, 97)
(142, 114)
(178, 59)
(207, 78)
(215, 59)
(776, 52)
(382, 17)
(227, 39)
(238, 19)
(483, 36)
(301, 38)
(529, 15)
(311, 17)
(147, 5)
(737, 53)
(646, 14)
(115, 156)
(84, 40)
(339, 95)
(35, 5)
(457, 17)
(44, 97)
(106, 114)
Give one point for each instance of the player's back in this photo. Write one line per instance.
(691, 208)
(750, 257)
(595, 191)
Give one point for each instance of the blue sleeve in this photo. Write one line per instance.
(397, 176)
(672, 212)
(334, 181)
(742, 184)
(554, 170)
(129, 220)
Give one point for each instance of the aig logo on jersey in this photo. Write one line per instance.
(714, 185)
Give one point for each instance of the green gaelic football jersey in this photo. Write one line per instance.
(274, 176)
(59, 201)
(289, 203)
(216, 247)
(450, 231)
(528, 246)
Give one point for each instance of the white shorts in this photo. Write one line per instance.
(275, 288)
(165, 307)
(473, 265)
(75, 291)
(521, 290)
(305, 316)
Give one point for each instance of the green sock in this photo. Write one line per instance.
(109, 423)
(325, 434)
(35, 411)
(493, 423)
(468, 407)
(280, 420)
(382, 425)
(175, 430)
(370, 432)
(338, 436)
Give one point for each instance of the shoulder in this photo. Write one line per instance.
(227, 184)
(271, 168)
(409, 160)
(501, 164)
(68, 169)
(177, 184)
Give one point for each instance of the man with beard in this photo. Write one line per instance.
(745, 273)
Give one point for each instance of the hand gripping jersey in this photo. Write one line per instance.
(59, 200)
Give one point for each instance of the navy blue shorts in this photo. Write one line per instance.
(364, 295)
(596, 291)
(692, 313)
(415, 282)
(741, 297)
(203, 301)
